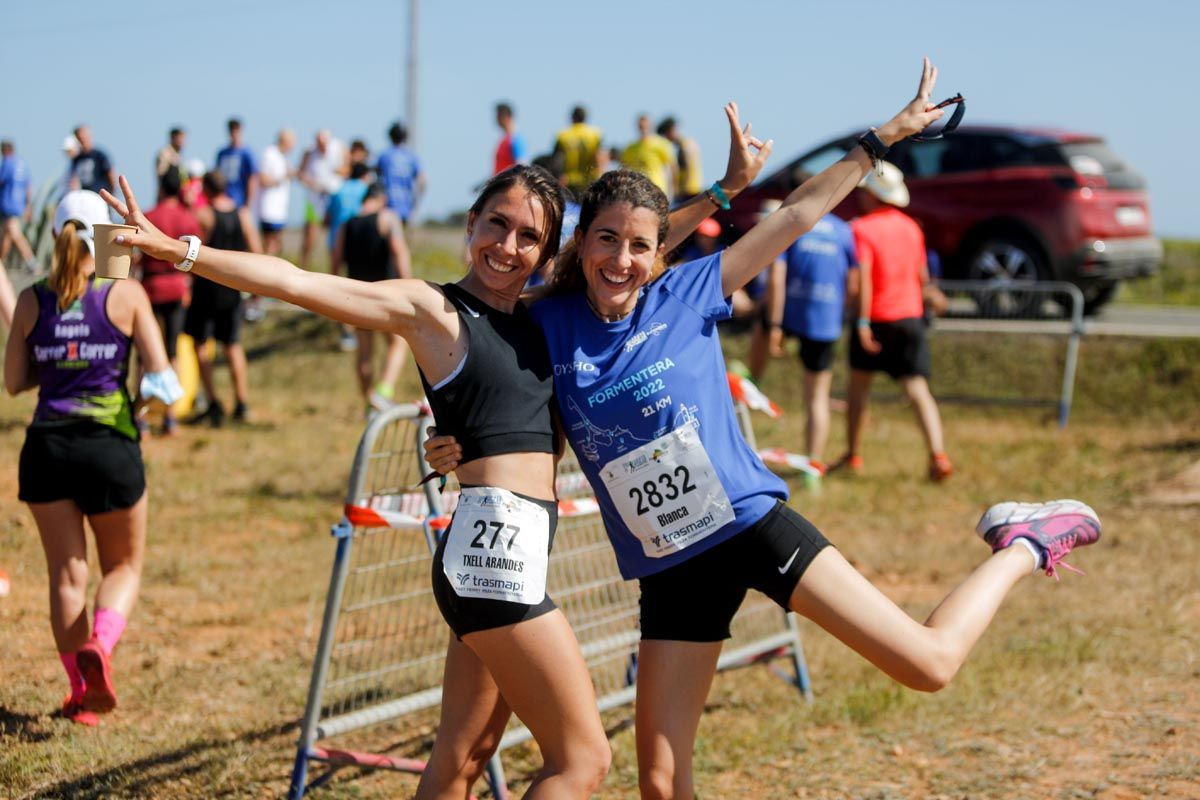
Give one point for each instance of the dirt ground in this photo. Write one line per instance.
(1088, 687)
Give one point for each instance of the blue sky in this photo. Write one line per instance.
(802, 72)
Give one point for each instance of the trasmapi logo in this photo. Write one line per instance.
(641, 336)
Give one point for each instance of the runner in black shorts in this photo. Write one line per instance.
(372, 248)
(216, 310)
(71, 338)
(690, 510)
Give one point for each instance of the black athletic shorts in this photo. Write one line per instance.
(695, 601)
(91, 464)
(470, 614)
(206, 321)
(816, 356)
(905, 350)
(170, 320)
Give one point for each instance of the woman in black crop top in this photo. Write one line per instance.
(485, 366)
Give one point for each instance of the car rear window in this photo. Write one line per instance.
(1095, 158)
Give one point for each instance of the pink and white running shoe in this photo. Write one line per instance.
(1054, 528)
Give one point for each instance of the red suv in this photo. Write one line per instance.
(1007, 204)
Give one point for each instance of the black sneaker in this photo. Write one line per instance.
(214, 415)
(241, 413)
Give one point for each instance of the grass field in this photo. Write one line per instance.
(1084, 688)
(1177, 281)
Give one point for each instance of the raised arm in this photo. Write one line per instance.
(18, 375)
(747, 155)
(817, 196)
(393, 306)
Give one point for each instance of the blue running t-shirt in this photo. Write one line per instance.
(817, 264)
(14, 186)
(398, 172)
(645, 404)
(237, 165)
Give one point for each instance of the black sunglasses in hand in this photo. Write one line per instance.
(943, 126)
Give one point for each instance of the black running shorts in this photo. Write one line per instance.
(471, 614)
(93, 465)
(695, 601)
(905, 350)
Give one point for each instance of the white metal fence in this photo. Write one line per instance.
(382, 645)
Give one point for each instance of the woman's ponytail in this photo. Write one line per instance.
(67, 278)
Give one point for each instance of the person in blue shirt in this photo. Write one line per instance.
(401, 174)
(690, 510)
(806, 298)
(236, 162)
(345, 202)
(16, 196)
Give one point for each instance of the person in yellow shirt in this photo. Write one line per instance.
(577, 146)
(689, 180)
(651, 155)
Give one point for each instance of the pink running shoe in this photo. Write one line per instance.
(1054, 528)
(99, 694)
(73, 710)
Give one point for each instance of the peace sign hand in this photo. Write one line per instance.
(149, 239)
(747, 154)
(919, 114)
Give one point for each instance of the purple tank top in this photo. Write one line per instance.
(81, 360)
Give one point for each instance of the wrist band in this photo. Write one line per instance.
(874, 147)
(718, 196)
(863, 322)
(193, 243)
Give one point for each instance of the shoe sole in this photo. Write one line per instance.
(99, 694)
(1011, 512)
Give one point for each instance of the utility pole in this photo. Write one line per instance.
(410, 93)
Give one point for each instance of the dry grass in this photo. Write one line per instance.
(1083, 688)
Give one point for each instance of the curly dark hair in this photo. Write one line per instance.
(618, 186)
(542, 185)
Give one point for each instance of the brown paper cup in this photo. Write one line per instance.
(112, 260)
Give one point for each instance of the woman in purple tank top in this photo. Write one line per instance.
(71, 338)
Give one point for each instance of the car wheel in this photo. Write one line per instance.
(1006, 263)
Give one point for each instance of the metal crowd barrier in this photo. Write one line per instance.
(382, 645)
(1023, 308)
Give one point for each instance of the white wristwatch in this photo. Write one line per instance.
(193, 250)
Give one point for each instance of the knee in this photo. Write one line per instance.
(587, 765)
(657, 782)
(70, 578)
(934, 670)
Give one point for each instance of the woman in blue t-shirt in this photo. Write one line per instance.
(692, 513)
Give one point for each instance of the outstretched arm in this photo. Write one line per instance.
(747, 155)
(817, 196)
(391, 306)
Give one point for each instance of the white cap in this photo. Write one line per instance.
(886, 182)
(195, 168)
(84, 207)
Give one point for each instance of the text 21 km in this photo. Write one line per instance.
(656, 406)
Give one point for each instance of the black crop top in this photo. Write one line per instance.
(499, 401)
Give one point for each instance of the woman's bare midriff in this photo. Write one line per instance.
(529, 474)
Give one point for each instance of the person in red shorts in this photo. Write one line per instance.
(168, 288)
(889, 334)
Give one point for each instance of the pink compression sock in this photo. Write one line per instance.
(108, 627)
(73, 674)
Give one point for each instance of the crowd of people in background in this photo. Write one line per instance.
(808, 294)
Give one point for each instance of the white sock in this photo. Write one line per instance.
(1033, 550)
